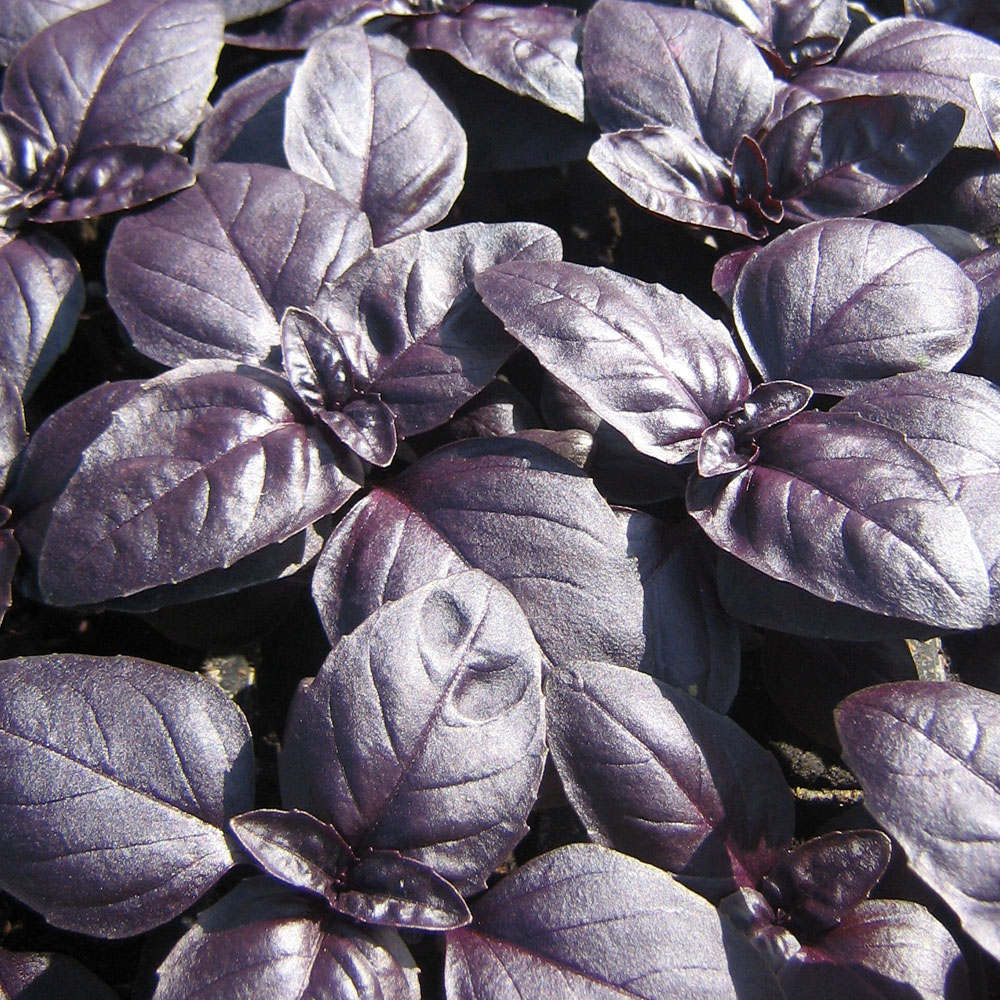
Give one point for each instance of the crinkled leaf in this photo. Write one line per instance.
(926, 58)
(362, 121)
(137, 72)
(984, 355)
(819, 882)
(247, 124)
(883, 950)
(314, 362)
(691, 642)
(925, 754)
(851, 156)
(381, 887)
(34, 976)
(656, 774)
(367, 427)
(21, 20)
(952, 420)
(119, 777)
(808, 31)
(646, 359)
(439, 752)
(41, 294)
(528, 50)
(585, 922)
(202, 466)
(516, 510)
(671, 173)
(847, 510)
(648, 64)
(114, 178)
(210, 272)
(264, 940)
(836, 303)
(412, 325)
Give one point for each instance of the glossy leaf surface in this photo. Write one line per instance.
(210, 272)
(648, 64)
(23, 19)
(852, 156)
(848, 511)
(41, 294)
(671, 173)
(266, 940)
(916, 56)
(135, 73)
(516, 510)
(657, 775)
(423, 731)
(585, 922)
(382, 887)
(883, 950)
(530, 51)
(116, 795)
(952, 420)
(360, 120)
(411, 323)
(836, 303)
(925, 754)
(202, 466)
(644, 358)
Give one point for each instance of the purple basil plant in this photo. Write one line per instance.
(557, 579)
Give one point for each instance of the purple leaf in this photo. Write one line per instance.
(646, 359)
(854, 155)
(41, 294)
(13, 436)
(247, 123)
(10, 552)
(583, 921)
(32, 976)
(114, 797)
(656, 774)
(21, 20)
(952, 420)
(808, 31)
(362, 121)
(412, 325)
(514, 509)
(114, 178)
(135, 73)
(836, 303)
(671, 173)
(818, 883)
(299, 23)
(847, 510)
(367, 427)
(691, 642)
(925, 58)
(387, 888)
(984, 355)
(440, 752)
(210, 272)
(314, 362)
(263, 940)
(986, 91)
(648, 64)
(382, 887)
(202, 466)
(883, 950)
(530, 51)
(923, 752)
